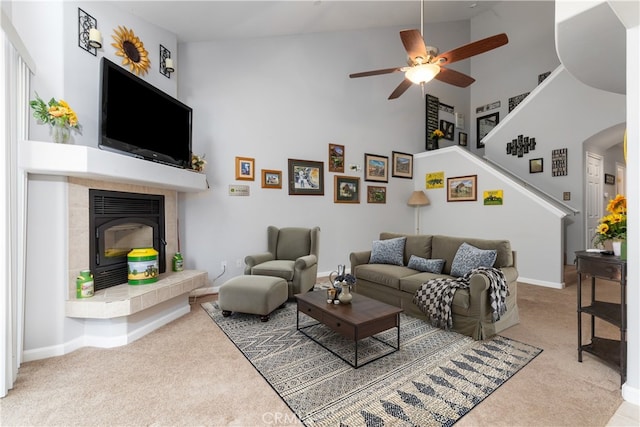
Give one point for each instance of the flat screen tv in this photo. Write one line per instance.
(140, 120)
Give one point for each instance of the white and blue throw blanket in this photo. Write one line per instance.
(434, 297)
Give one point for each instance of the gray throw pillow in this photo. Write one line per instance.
(469, 257)
(389, 251)
(428, 265)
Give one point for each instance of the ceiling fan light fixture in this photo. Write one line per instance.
(422, 73)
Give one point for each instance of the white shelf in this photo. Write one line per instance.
(80, 161)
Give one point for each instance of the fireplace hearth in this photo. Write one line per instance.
(118, 222)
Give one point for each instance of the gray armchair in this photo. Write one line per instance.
(292, 255)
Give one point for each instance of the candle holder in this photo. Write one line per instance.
(166, 63)
(86, 23)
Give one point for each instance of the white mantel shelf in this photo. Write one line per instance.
(47, 158)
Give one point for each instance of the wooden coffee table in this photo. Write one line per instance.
(363, 318)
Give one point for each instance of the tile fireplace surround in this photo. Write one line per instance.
(57, 222)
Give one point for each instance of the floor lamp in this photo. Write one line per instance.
(418, 199)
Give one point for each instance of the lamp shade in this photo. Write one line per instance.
(422, 73)
(418, 198)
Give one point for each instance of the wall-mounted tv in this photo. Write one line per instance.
(140, 120)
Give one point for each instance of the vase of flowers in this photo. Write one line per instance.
(58, 115)
(613, 226)
(435, 137)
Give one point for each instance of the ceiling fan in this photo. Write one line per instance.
(424, 63)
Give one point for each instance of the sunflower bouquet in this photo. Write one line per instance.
(613, 226)
(55, 113)
(437, 134)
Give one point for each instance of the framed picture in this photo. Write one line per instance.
(336, 158)
(306, 177)
(492, 197)
(434, 180)
(244, 168)
(376, 168)
(402, 165)
(484, 125)
(536, 165)
(376, 194)
(448, 129)
(559, 162)
(462, 139)
(271, 178)
(609, 179)
(346, 189)
(462, 188)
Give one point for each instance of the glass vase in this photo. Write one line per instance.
(60, 134)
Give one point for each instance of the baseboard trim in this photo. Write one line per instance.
(115, 334)
(631, 394)
(529, 281)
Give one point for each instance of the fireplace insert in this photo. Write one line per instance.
(119, 222)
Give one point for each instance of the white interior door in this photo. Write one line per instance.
(593, 196)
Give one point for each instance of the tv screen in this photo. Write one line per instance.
(140, 120)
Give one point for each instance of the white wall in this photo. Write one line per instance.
(513, 69)
(559, 100)
(49, 29)
(533, 227)
(289, 97)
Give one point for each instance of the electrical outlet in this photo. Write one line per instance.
(223, 265)
(238, 262)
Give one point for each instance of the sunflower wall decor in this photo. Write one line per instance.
(131, 49)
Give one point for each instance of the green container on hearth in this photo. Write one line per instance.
(143, 266)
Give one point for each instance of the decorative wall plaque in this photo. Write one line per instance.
(433, 105)
(559, 162)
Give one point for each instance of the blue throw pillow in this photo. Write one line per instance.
(389, 251)
(428, 265)
(469, 257)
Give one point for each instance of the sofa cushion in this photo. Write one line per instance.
(382, 274)
(428, 265)
(419, 244)
(469, 257)
(388, 251)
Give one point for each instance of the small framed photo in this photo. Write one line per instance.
(244, 168)
(536, 165)
(484, 125)
(609, 179)
(336, 158)
(346, 189)
(306, 177)
(448, 129)
(402, 165)
(376, 168)
(271, 178)
(376, 194)
(462, 188)
(462, 139)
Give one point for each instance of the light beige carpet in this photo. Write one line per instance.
(188, 373)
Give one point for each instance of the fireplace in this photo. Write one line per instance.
(119, 222)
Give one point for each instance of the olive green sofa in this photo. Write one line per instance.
(397, 284)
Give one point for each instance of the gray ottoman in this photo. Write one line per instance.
(253, 294)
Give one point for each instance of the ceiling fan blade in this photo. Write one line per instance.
(402, 88)
(374, 72)
(454, 77)
(413, 44)
(472, 49)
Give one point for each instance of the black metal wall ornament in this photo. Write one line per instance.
(521, 145)
(164, 55)
(85, 23)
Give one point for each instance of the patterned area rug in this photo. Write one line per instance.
(434, 380)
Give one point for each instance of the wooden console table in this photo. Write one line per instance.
(607, 267)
